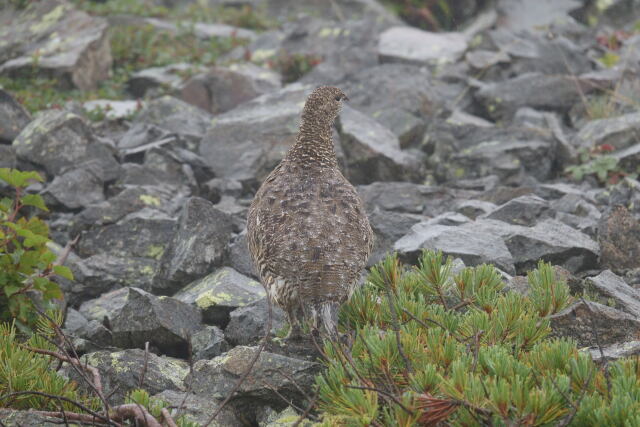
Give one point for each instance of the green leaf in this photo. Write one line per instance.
(63, 271)
(17, 178)
(40, 283)
(52, 290)
(34, 200)
(11, 289)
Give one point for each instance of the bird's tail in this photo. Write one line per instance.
(325, 317)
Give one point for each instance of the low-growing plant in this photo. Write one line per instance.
(293, 66)
(22, 370)
(599, 163)
(26, 263)
(431, 347)
(155, 406)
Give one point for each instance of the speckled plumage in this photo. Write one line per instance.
(308, 232)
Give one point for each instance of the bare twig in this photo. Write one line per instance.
(249, 368)
(136, 412)
(66, 251)
(166, 416)
(306, 412)
(71, 416)
(144, 365)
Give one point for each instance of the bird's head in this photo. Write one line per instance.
(323, 105)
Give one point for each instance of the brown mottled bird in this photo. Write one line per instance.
(308, 232)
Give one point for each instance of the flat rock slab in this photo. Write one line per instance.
(219, 293)
(611, 287)
(619, 132)
(412, 45)
(472, 245)
(215, 378)
(584, 320)
(56, 40)
(136, 316)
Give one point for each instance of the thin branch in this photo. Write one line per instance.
(144, 365)
(72, 416)
(66, 251)
(136, 412)
(306, 412)
(166, 416)
(66, 399)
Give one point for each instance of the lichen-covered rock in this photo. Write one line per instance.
(13, 117)
(215, 378)
(16, 418)
(58, 140)
(199, 244)
(76, 188)
(219, 293)
(121, 372)
(135, 317)
(208, 343)
(56, 40)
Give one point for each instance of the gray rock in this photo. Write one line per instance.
(136, 316)
(223, 88)
(407, 127)
(208, 343)
(509, 160)
(547, 92)
(102, 273)
(628, 158)
(523, 210)
(405, 197)
(133, 236)
(199, 243)
(199, 409)
(58, 140)
(246, 143)
(247, 324)
(205, 30)
(522, 15)
(150, 79)
(164, 198)
(388, 227)
(619, 239)
(474, 208)
(13, 117)
(74, 320)
(7, 156)
(372, 152)
(411, 45)
(215, 378)
(615, 351)
(55, 40)
(16, 418)
(74, 189)
(175, 116)
(239, 256)
(219, 293)
(483, 59)
(619, 132)
(615, 292)
(584, 320)
(471, 244)
(121, 372)
(93, 336)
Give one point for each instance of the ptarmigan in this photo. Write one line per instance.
(307, 229)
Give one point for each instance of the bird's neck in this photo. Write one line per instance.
(314, 145)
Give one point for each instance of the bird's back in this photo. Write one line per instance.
(307, 229)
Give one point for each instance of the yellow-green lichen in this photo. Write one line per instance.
(48, 19)
(150, 200)
(155, 251)
(211, 298)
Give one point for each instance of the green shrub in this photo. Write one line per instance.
(26, 263)
(24, 370)
(155, 406)
(599, 163)
(471, 354)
